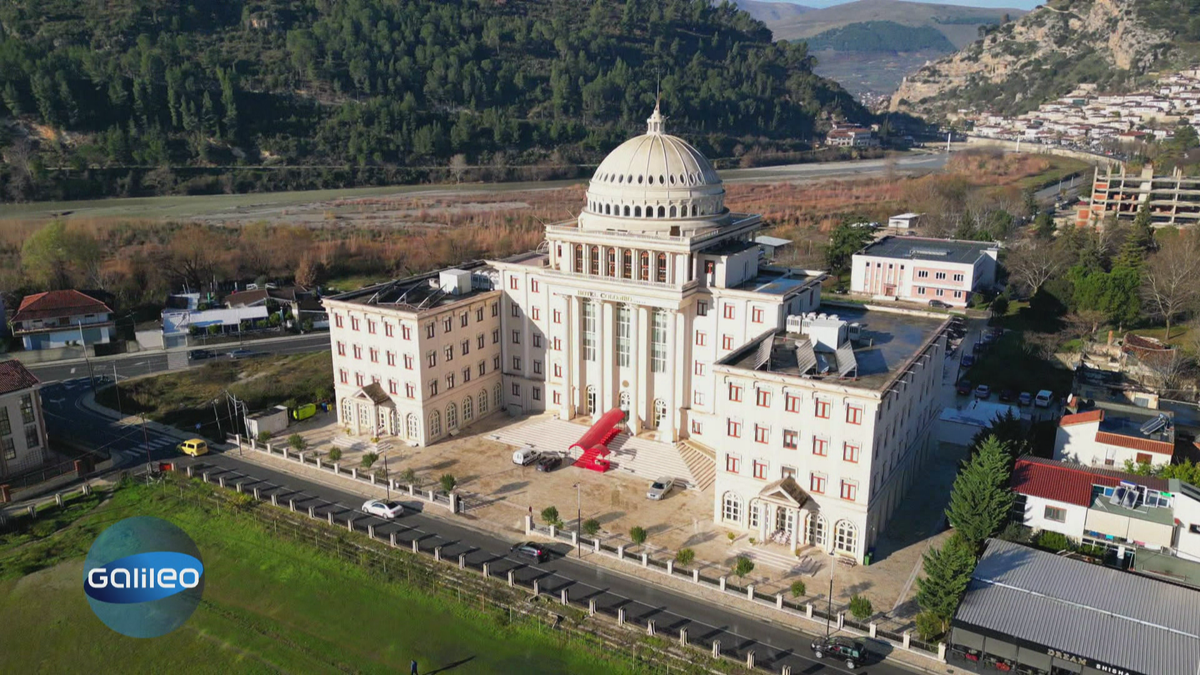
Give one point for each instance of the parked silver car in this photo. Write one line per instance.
(660, 488)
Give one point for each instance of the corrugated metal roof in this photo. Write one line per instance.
(1091, 611)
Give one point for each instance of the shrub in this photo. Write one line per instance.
(731, 536)
(1015, 532)
(685, 556)
(798, 589)
(550, 515)
(591, 526)
(861, 607)
(335, 455)
(637, 535)
(297, 442)
(930, 626)
(369, 458)
(448, 482)
(264, 437)
(1000, 305)
(1052, 541)
(743, 566)
(408, 476)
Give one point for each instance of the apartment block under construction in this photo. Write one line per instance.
(1174, 199)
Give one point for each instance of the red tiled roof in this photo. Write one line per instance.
(15, 377)
(1143, 444)
(1082, 418)
(55, 304)
(1057, 482)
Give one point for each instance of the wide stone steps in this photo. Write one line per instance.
(775, 559)
(701, 465)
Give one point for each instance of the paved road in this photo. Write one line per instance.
(774, 645)
(145, 363)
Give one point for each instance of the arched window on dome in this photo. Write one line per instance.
(612, 262)
(683, 179)
(637, 212)
(594, 261)
(661, 272)
(627, 210)
(650, 180)
(620, 179)
(627, 264)
(660, 180)
(629, 179)
(662, 212)
(672, 179)
(639, 179)
(672, 210)
(644, 272)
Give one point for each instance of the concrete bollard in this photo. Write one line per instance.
(562, 597)
(942, 652)
(621, 552)
(750, 592)
(574, 538)
(722, 581)
(670, 567)
(372, 479)
(486, 571)
(650, 628)
(319, 463)
(512, 578)
(645, 560)
(238, 487)
(391, 484)
(268, 447)
(462, 561)
(808, 609)
(683, 637)
(536, 587)
(392, 540)
(553, 532)
(785, 670)
(221, 481)
(32, 511)
(873, 628)
(312, 512)
(907, 637)
(696, 576)
(58, 500)
(329, 517)
(841, 620)
(431, 496)
(337, 468)
(779, 601)
(453, 502)
(354, 473)
(592, 607)
(596, 545)
(716, 649)
(437, 553)
(205, 476)
(371, 531)
(750, 659)
(300, 456)
(292, 505)
(416, 547)
(253, 443)
(528, 525)
(620, 616)
(274, 499)
(412, 491)
(190, 471)
(257, 497)
(87, 487)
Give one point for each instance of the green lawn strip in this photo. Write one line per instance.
(270, 603)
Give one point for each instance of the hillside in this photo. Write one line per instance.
(772, 12)
(1050, 51)
(158, 96)
(959, 24)
(880, 36)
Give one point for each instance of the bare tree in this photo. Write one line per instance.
(195, 255)
(1034, 262)
(1170, 283)
(458, 166)
(1167, 369)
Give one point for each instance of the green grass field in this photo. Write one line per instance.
(270, 605)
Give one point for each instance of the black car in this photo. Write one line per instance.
(200, 354)
(938, 304)
(852, 651)
(531, 549)
(549, 463)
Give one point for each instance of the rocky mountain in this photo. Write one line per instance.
(1049, 52)
(959, 24)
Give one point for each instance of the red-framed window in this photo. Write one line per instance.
(854, 414)
(701, 338)
(337, 320)
(406, 332)
(408, 362)
(512, 283)
(344, 376)
(536, 313)
(792, 403)
(849, 490)
(726, 342)
(699, 368)
(730, 311)
(816, 484)
(756, 315)
(850, 452)
(374, 355)
(735, 429)
(357, 352)
(760, 470)
(822, 408)
(534, 286)
(821, 447)
(410, 390)
(558, 370)
(735, 393)
(371, 326)
(393, 387)
(359, 379)
(763, 398)
(557, 316)
(389, 330)
(791, 439)
(733, 463)
(391, 358)
(762, 434)
(353, 323)
(341, 348)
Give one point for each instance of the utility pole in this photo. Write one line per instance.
(83, 343)
(829, 612)
(120, 408)
(146, 441)
(217, 415)
(388, 477)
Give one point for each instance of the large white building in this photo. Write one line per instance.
(654, 301)
(924, 270)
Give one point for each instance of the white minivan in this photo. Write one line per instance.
(1044, 398)
(525, 456)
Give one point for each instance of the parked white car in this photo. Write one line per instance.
(377, 507)
(526, 456)
(660, 488)
(1044, 398)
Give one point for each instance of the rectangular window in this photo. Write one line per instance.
(516, 312)
(391, 358)
(344, 376)
(359, 379)
(762, 434)
(1056, 514)
(406, 332)
(735, 393)
(535, 313)
(701, 309)
(464, 319)
(816, 483)
(495, 309)
(940, 276)
(557, 316)
(449, 381)
(557, 398)
(516, 337)
(756, 315)
(733, 463)
(624, 336)
(512, 283)
(734, 429)
(537, 341)
(537, 367)
(658, 343)
(32, 440)
(447, 324)
(699, 370)
(764, 398)
(788, 472)
(791, 439)
(482, 368)
(479, 314)
(760, 470)
(480, 341)
(433, 387)
(822, 408)
(820, 447)
(854, 414)
(516, 390)
(701, 338)
(449, 351)
(371, 326)
(496, 336)
(341, 348)
(792, 403)
(727, 342)
(465, 347)
(374, 355)
(557, 345)
(408, 362)
(558, 370)
(533, 285)
(431, 359)
(850, 452)
(698, 397)
(589, 331)
(958, 277)
(922, 274)
(516, 361)
(537, 393)
(5, 425)
(357, 351)
(354, 323)
(496, 362)
(1143, 458)
(393, 387)
(849, 490)
(466, 375)
(337, 320)
(730, 311)
(430, 330)
(697, 428)
(410, 390)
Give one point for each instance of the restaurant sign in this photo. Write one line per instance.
(1091, 663)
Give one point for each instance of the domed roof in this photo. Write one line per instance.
(656, 160)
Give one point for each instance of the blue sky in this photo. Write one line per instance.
(1014, 4)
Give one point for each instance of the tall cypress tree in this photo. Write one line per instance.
(980, 499)
(947, 573)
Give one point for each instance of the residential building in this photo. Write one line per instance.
(920, 270)
(22, 426)
(1113, 434)
(770, 246)
(852, 137)
(905, 221)
(1036, 612)
(179, 325)
(1172, 199)
(56, 319)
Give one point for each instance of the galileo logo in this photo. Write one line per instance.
(143, 577)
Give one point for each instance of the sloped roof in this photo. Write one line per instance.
(55, 304)
(1071, 483)
(375, 392)
(1082, 418)
(1143, 444)
(14, 376)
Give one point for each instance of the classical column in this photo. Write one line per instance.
(573, 358)
(606, 388)
(673, 398)
(638, 359)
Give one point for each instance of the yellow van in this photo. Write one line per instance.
(195, 447)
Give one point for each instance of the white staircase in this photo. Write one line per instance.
(701, 463)
(777, 559)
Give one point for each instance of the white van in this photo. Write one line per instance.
(1044, 398)
(525, 456)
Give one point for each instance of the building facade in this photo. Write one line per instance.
(1112, 436)
(922, 270)
(1116, 195)
(57, 319)
(22, 426)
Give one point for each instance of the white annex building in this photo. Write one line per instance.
(654, 301)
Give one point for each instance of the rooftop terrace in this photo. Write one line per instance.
(418, 293)
(933, 250)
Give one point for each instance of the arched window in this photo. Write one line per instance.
(612, 262)
(627, 210)
(731, 508)
(578, 259)
(627, 264)
(347, 411)
(620, 179)
(594, 262)
(660, 412)
(413, 429)
(435, 424)
(625, 402)
(662, 212)
(590, 402)
(385, 419)
(483, 403)
(496, 397)
(639, 180)
(673, 211)
(845, 537)
(637, 212)
(644, 274)
(468, 410)
(451, 416)
(608, 209)
(672, 179)
(695, 210)
(816, 530)
(661, 272)
(661, 180)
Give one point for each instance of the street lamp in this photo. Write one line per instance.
(387, 477)
(829, 611)
(578, 522)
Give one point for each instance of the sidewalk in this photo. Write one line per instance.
(144, 353)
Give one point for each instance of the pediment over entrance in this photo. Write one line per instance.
(785, 491)
(374, 393)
